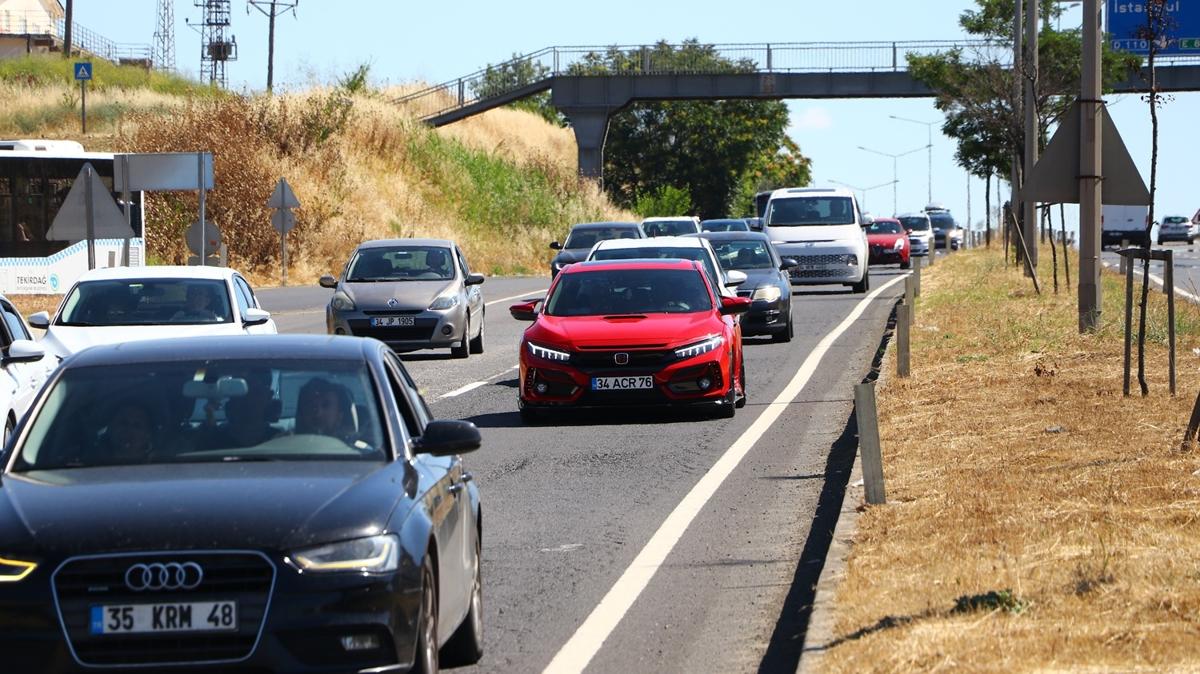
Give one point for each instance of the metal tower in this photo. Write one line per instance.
(164, 37)
(216, 48)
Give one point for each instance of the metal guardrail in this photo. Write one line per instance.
(35, 23)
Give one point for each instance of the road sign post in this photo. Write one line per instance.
(83, 73)
(283, 200)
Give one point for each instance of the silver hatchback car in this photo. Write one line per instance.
(410, 294)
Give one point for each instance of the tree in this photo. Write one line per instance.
(514, 74)
(708, 148)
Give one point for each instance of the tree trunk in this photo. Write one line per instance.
(1062, 221)
(1154, 21)
(1048, 226)
(987, 210)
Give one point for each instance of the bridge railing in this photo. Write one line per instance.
(35, 23)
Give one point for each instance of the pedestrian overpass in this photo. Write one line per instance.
(772, 71)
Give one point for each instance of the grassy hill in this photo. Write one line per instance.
(502, 184)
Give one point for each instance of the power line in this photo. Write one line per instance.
(272, 9)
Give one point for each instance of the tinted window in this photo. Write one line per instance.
(665, 253)
(942, 221)
(586, 238)
(915, 224)
(796, 211)
(669, 227)
(1175, 220)
(751, 254)
(15, 327)
(724, 226)
(147, 302)
(401, 263)
(629, 291)
(884, 228)
(203, 411)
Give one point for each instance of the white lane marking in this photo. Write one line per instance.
(476, 384)
(583, 645)
(514, 297)
(1161, 283)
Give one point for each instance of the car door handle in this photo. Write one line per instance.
(467, 477)
(456, 487)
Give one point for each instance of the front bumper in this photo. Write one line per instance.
(430, 330)
(882, 255)
(919, 246)
(1174, 236)
(545, 383)
(818, 266)
(765, 317)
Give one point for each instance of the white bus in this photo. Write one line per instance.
(35, 177)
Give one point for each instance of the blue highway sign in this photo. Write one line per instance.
(1127, 27)
(83, 71)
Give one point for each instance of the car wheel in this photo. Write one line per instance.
(465, 646)
(907, 264)
(741, 401)
(426, 660)
(477, 343)
(463, 350)
(865, 284)
(728, 407)
(529, 415)
(786, 334)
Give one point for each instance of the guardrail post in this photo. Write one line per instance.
(1169, 289)
(770, 66)
(895, 60)
(903, 327)
(556, 60)
(916, 275)
(645, 60)
(460, 91)
(868, 442)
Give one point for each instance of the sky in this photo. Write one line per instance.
(435, 42)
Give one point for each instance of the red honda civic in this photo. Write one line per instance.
(632, 333)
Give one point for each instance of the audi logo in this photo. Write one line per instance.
(168, 576)
(621, 358)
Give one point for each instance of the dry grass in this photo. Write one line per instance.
(1037, 520)
(31, 304)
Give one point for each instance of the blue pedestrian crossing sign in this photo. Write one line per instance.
(83, 71)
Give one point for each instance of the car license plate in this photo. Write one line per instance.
(201, 616)
(810, 267)
(622, 383)
(392, 321)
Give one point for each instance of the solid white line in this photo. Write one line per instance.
(583, 645)
(1161, 283)
(474, 385)
(514, 297)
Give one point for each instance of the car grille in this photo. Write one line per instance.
(421, 332)
(818, 259)
(393, 312)
(247, 578)
(606, 360)
(820, 273)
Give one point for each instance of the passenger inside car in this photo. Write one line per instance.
(325, 408)
(129, 436)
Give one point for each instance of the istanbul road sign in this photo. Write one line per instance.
(1127, 27)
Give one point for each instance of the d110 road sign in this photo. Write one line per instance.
(1127, 27)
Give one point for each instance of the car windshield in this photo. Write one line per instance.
(612, 292)
(724, 226)
(663, 253)
(205, 411)
(401, 263)
(800, 211)
(884, 227)
(147, 302)
(942, 221)
(1175, 220)
(749, 254)
(587, 237)
(669, 227)
(915, 224)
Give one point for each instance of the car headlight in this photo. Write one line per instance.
(767, 293)
(711, 343)
(377, 554)
(898, 245)
(14, 570)
(342, 302)
(444, 302)
(548, 353)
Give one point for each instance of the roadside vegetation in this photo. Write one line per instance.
(1036, 519)
(502, 184)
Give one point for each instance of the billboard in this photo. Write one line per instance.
(1127, 25)
(54, 275)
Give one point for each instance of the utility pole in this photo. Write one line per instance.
(272, 9)
(67, 25)
(1090, 170)
(1029, 217)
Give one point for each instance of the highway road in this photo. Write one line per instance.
(1187, 268)
(720, 581)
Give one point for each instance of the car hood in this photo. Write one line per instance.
(571, 255)
(756, 278)
(409, 295)
(268, 505)
(64, 340)
(653, 331)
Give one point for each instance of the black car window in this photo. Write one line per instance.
(14, 326)
(741, 255)
(413, 425)
(657, 228)
(186, 301)
(941, 221)
(586, 237)
(609, 292)
(724, 226)
(915, 224)
(664, 253)
(799, 211)
(401, 263)
(884, 227)
(194, 411)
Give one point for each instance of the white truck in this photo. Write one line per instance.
(1124, 223)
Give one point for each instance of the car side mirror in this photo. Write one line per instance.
(40, 320)
(328, 281)
(734, 278)
(867, 221)
(554, 245)
(524, 311)
(23, 351)
(788, 263)
(735, 305)
(252, 317)
(474, 279)
(447, 438)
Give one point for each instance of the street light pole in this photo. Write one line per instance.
(895, 170)
(862, 191)
(929, 147)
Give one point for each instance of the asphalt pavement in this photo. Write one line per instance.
(717, 513)
(1186, 262)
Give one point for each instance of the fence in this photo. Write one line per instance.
(87, 41)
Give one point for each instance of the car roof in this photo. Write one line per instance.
(657, 242)
(225, 347)
(603, 225)
(799, 192)
(733, 236)
(387, 243)
(671, 218)
(633, 263)
(887, 219)
(723, 220)
(157, 271)
(913, 215)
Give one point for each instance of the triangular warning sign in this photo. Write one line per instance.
(283, 196)
(1055, 177)
(70, 224)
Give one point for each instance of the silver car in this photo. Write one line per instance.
(410, 294)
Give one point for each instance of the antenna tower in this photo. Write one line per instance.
(164, 37)
(216, 47)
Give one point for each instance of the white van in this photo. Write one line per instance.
(822, 229)
(1124, 223)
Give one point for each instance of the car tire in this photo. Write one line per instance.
(529, 415)
(425, 660)
(465, 646)
(788, 331)
(727, 408)
(477, 343)
(907, 264)
(741, 401)
(865, 284)
(463, 350)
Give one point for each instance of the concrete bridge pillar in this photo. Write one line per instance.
(591, 127)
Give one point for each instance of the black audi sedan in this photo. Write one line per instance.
(767, 282)
(281, 503)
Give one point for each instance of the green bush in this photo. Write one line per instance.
(666, 200)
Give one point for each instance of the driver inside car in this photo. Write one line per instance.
(325, 408)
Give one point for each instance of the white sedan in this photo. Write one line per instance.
(23, 368)
(121, 304)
